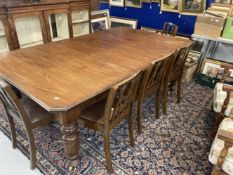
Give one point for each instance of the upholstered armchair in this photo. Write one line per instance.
(221, 154)
(221, 98)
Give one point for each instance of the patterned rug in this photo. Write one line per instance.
(176, 144)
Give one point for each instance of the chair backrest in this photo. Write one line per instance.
(178, 66)
(11, 103)
(227, 72)
(121, 98)
(153, 76)
(170, 28)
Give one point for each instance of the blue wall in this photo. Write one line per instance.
(149, 16)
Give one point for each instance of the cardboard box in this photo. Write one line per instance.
(209, 26)
(189, 72)
(190, 66)
(228, 29)
(216, 13)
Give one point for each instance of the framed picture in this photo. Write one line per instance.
(133, 3)
(193, 6)
(148, 29)
(158, 1)
(117, 22)
(170, 5)
(103, 13)
(147, 1)
(222, 1)
(99, 24)
(213, 69)
(119, 3)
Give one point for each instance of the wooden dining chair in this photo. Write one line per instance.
(170, 29)
(108, 113)
(27, 113)
(152, 80)
(174, 75)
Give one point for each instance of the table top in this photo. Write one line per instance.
(64, 74)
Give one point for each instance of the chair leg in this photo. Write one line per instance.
(157, 104)
(214, 171)
(32, 147)
(131, 133)
(218, 119)
(165, 99)
(107, 151)
(12, 131)
(171, 86)
(178, 89)
(139, 116)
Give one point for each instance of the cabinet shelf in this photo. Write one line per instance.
(58, 39)
(2, 35)
(75, 21)
(31, 44)
(3, 44)
(4, 50)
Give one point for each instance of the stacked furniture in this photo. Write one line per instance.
(25, 24)
(221, 154)
(101, 20)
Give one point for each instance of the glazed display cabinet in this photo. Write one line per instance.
(25, 24)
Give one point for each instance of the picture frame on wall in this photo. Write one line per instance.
(223, 1)
(170, 5)
(133, 3)
(147, 1)
(118, 3)
(193, 6)
(157, 1)
(123, 22)
(99, 24)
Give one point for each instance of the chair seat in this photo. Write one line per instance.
(218, 99)
(37, 115)
(217, 146)
(94, 113)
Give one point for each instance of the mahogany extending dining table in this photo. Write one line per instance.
(66, 75)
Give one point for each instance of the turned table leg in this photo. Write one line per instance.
(70, 138)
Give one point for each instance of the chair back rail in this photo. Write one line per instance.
(170, 28)
(121, 98)
(169, 67)
(12, 104)
(178, 66)
(227, 72)
(153, 77)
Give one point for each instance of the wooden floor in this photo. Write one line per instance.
(8, 156)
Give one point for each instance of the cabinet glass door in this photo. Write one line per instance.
(3, 41)
(28, 31)
(59, 28)
(80, 22)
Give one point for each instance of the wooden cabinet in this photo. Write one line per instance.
(27, 24)
(3, 37)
